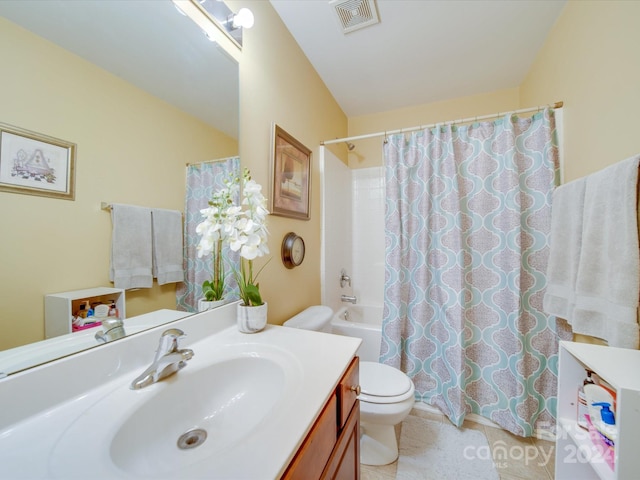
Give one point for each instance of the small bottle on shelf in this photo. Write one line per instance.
(82, 311)
(583, 408)
(113, 310)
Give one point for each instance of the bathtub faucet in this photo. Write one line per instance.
(349, 299)
(344, 278)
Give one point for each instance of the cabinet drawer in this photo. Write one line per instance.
(348, 390)
(317, 447)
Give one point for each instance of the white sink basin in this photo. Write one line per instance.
(203, 412)
(226, 401)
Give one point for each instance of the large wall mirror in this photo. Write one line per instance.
(142, 92)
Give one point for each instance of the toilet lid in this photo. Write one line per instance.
(381, 383)
(312, 318)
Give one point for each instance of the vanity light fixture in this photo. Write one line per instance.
(215, 14)
(242, 19)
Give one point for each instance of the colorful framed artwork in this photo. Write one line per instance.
(291, 176)
(36, 164)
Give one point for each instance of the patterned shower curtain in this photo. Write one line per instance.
(202, 180)
(468, 215)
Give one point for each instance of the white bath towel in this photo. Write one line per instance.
(167, 246)
(131, 247)
(608, 278)
(565, 245)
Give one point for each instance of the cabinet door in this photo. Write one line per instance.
(312, 457)
(344, 463)
(348, 391)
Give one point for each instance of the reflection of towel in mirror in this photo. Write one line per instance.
(608, 280)
(167, 246)
(131, 247)
(564, 254)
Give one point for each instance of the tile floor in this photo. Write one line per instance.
(526, 458)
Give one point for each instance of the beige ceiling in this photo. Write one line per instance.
(422, 51)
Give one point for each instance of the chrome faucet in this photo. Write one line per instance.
(168, 360)
(344, 278)
(349, 299)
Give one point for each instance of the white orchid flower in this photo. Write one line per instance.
(241, 224)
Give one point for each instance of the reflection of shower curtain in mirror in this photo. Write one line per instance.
(468, 216)
(202, 180)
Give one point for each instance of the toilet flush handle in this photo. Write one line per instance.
(356, 389)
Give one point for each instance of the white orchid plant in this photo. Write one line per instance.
(214, 230)
(243, 227)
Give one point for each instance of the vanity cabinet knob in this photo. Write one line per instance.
(356, 389)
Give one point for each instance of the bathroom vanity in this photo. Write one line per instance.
(280, 403)
(332, 447)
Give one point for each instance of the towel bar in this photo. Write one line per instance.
(108, 206)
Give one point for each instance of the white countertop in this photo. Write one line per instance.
(35, 435)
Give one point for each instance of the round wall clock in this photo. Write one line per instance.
(292, 250)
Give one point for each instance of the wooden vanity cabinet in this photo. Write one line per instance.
(332, 447)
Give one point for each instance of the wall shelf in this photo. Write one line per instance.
(576, 454)
(59, 308)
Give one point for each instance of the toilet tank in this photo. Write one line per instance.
(317, 318)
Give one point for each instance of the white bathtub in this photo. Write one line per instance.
(362, 321)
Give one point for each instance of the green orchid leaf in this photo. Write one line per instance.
(253, 295)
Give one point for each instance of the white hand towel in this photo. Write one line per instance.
(167, 246)
(608, 279)
(131, 247)
(565, 245)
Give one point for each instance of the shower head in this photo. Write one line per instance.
(350, 145)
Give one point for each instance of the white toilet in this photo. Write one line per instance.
(386, 396)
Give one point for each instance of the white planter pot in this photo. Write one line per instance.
(205, 305)
(252, 319)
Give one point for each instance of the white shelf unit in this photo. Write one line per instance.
(576, 456)
(59, 308)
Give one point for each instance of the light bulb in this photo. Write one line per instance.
(244, 18)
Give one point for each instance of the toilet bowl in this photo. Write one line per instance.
(386, 398)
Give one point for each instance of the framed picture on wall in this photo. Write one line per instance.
(36, 164)
(291, 176)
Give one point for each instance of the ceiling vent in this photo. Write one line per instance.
(355, 14)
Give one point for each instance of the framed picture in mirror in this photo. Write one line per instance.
(36, 164)
(291, 176)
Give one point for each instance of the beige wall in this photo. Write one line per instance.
(132, 148)
(590, 61)
(278, 84)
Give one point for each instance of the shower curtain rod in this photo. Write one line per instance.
(450, 122)
(212, 161)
